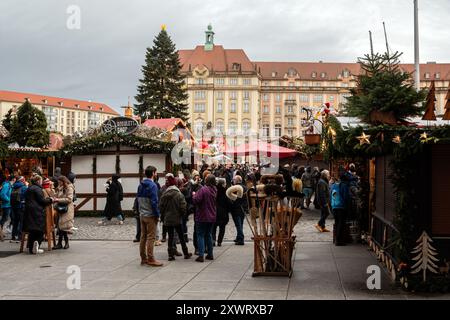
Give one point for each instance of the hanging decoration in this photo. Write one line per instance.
(363, 139)
(397, 139)
(426, 256)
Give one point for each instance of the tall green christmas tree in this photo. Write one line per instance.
(384, 93)
(29, 127)
(161, 92)
(8, 120)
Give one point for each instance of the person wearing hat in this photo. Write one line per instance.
(18, 205)
(114, 197)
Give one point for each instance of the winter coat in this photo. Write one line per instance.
(50, 212)
(5, 194)
(323, 193)
(34, 215)
(172, 206)
(307, 180)
(205, 202)
(114, 196)
(187, 192)
(22, 188)
(240, 206)
(66, 220)
(147, 198)
(223, 206)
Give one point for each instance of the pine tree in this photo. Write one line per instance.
(430, 104)
(447, 105)
(162, 93)
(7, 121)
(29, 127)
(425, 256)
(384, 94)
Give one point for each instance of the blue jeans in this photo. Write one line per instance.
(5, 215)
(204, 234)
(239, 223)
(17, 221)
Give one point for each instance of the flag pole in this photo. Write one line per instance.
(416, 45)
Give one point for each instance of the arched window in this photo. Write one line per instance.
(266, 130)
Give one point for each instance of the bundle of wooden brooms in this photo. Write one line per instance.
(272, 219)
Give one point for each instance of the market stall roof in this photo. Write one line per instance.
(263, 148)
(169, 124)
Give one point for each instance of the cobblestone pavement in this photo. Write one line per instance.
(88, 229)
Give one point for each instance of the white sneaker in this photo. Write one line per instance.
(120, 222)
(35, 247)
(101, 223)
(74, 229)
(39, 251)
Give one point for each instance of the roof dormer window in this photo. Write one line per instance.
(291, 72)
(437, 75)
(274, 74)
(101, 108)
(427, 75)
(45, 101)
(77, 106)
(61, 103)
(90, 107)
(323, 75)
(314, 74)
(236, 66)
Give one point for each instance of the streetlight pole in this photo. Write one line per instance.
(416, 45)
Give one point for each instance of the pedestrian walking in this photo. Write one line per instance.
(307, 181)
(222, 212)
(114, 197)
(172, 207)
(65, 210)
(205, 217)
(239, 207)
(339, 195)
(18, 206)
(34, 215)
(5, 197)
(323, 194)
(147, 203)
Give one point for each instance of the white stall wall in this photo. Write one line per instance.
(82, 164)
(84, 185)
(130, 185)
(106, 164)
(89, 206)
(129, 163)
(156, 160)
(127, 204)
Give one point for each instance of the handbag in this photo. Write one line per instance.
(61, 207)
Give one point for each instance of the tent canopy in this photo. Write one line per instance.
(261, 149)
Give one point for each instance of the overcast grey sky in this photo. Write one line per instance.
(102, 60)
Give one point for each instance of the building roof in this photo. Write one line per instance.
(217, 59)
(37, 99)
(333, 70)
(166, 124)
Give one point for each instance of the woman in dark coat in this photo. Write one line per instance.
(114, 197)
(223, 211)
(34, 215)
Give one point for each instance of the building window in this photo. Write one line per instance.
(314, 75)
(220, 81)
(265, 97)
(437, 75)
(219, 107)
(291, 84)
(274, 74)
(246, 107)
(233, 94)
(305, 83)
(199, 107)
(278, 130)
(291, 72)
(233, 107)
(247, 82)
(233, 81)
(427, 75)
(290, 109)
(198, 127)
(277, 109)
(304, 97)
(200, 81)
(232, 128)
(291, 96)
(279, 83)
(346, 74)
(317, 84)
(266, 109)
(200, 95)
(246, 95)
(246, 127)
(290, 132)
(331, 98)
(318, 98)
(323, 74)
(265, 130)
(290, 121)
(278, 97)
(219, 95)
(345, 85)
(219, 127)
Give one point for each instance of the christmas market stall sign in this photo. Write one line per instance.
(120, 125)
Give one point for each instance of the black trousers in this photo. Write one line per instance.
(138, 227)
(61, 235)
(340, 225)
(172, 244)
(34, 236)
(221, 227)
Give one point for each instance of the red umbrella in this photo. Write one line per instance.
(261, 148)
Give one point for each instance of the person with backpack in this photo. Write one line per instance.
(5, 196)
(17, 206)
(339, 197)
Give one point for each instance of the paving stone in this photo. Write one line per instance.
(258, 295)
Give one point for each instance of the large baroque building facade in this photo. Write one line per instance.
(241, 97)
(65, 116)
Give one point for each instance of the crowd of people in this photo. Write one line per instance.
(209, 196)
(33, 206)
